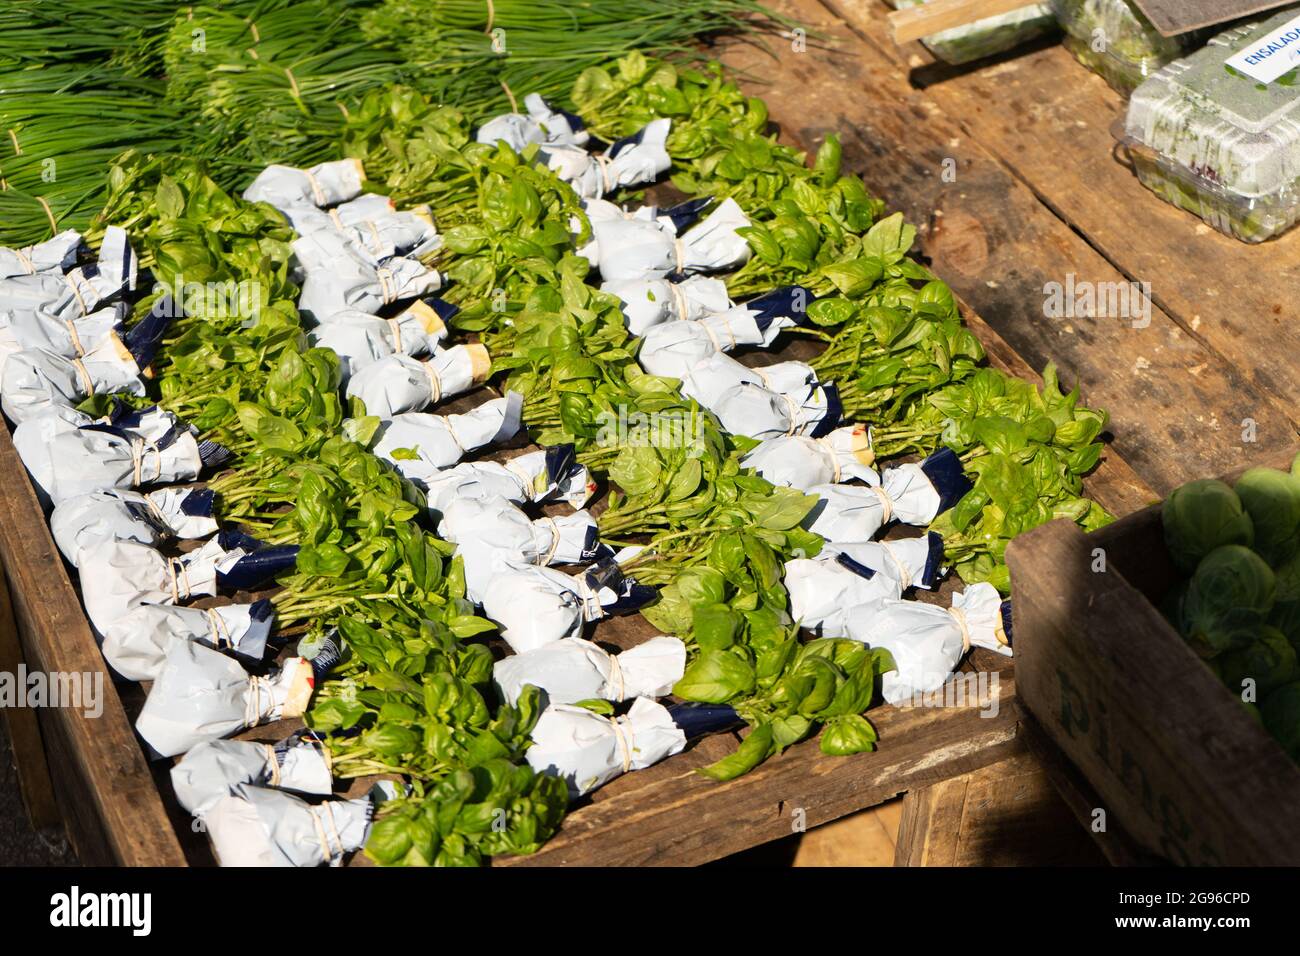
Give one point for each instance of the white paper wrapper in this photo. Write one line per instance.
(673, 349)
(766, 403)
(215, 769)
(360, 340)
(72, 337)
(576, 670)
(541, 124)
(79, 524)
(137, 643)
(910, 562)
(534, 606)
(914, 494)
(390, 233)
(822, 594)
(147, 448)
(440, 441)
(37, 381)
(118, 575)
(631, 161)
(927, 641)
(345, 276)
(255, 826)
(307, 217)
(322, 185)
(551, 474)
(651, 302)
(588, 750)
(201, 694)
(399, 383)
(635, 250)
(78, 292)
(799, 461)
(487, 528)
(58, 254)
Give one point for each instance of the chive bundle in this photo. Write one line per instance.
(242, 84)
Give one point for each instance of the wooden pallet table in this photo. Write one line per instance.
(1008, 171)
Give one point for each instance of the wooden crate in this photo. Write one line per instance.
(1174, 758)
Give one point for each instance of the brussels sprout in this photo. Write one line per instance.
(1229, 597)
(1281, 713)
(1272, 499)
(1269, 660)
(1201, 516)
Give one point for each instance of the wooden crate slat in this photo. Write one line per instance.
(106, 792)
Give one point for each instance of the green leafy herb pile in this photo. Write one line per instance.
(411, 696)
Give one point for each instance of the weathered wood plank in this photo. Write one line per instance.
(24, 728)
(671, 815)
(105, 791)
(998, 246)
(1049, 122)
(1005, 814)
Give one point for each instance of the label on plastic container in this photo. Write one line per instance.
(1272, 55)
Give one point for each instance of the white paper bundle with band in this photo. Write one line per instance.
(360, 340)
(308, 217)
(419, 444)
(347, 277)
(118, 575)
(800, 461)
(78, 292)
(587, 749)
(400, 383)
(485, 529)
(651, 302)
(631, 161)
(823, 593)
(380, 236)
(201, 694)
(58, 254)
(215, 769)
(37, 381)
(915, 494)
(674, 219)
(137, 643)
(910, 562)
(322, 185)
(673, 349)
(542, 124)
(79, 524)
(534, 605)
(408, 232)
(71, 337)
(142, 448)
(257, 826)
(763, 403)
(577, 670)
(551, 474)
(927, 641)
(634, 250)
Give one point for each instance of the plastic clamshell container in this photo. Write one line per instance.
(986, 37)
(1115, 41)
(1217, 142)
